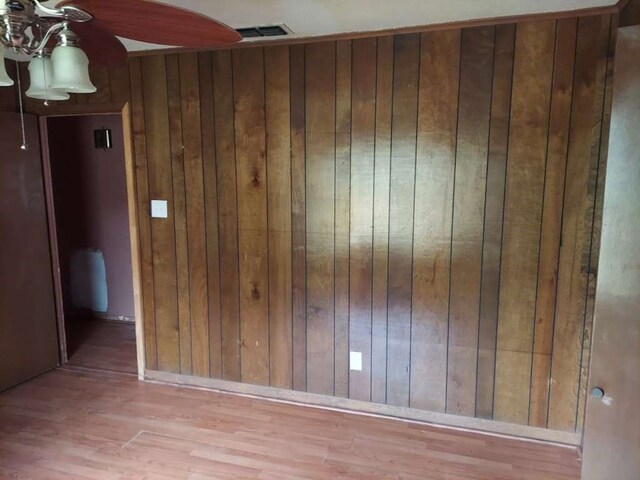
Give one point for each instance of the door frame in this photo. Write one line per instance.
(124, 110)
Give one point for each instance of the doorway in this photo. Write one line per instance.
(90, 222)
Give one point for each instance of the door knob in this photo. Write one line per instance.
(597, 392)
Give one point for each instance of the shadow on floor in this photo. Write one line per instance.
(101, 344)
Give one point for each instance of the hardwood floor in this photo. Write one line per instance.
(102, 345)
(89, 425)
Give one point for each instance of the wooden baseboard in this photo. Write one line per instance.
(444, 420)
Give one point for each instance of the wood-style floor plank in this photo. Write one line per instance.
(68, 424)
(101, 345)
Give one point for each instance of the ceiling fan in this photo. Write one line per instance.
(61, 40)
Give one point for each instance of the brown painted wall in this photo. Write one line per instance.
(428, 200)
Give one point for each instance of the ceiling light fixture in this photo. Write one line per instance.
(27, 32)
(5, 79)
(60, 41)
(41, 74)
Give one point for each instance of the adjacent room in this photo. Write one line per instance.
(88, 181)
(320, 240)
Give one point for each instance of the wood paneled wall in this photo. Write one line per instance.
(430, 200)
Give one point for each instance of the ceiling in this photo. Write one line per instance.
(310, 18)
(313, 18)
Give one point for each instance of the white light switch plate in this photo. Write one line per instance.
(355, 361)
(159, 209)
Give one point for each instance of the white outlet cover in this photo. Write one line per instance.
(355, 361)
(159, 209)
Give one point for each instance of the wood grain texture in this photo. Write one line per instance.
(187, 432)
(119, 85)
(195, 197)
(577, 221)
(342, 244)
(249, 114)
(357, 196)
(138, 127)
(379, 317)
(298, 217)
(596, 230)
(210, 173)
(435, 164)
(550, 237)
(100, 78)
(474, 112)
(493, 217)
(154, 83)
(522, 218)
(179, 211)
(363, 109)
(401, 216)
(103, 345)
(278, 131)
(320, 215)
(228, 214)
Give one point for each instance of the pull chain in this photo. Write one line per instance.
(46, 82)
(24, 145)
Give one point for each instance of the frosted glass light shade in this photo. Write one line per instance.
(71, 70)
(41, 75)
(5, 80)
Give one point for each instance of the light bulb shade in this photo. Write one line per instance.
(71, 70)
(41, 75)
(5, 80)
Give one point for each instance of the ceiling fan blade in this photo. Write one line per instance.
(154, 22)
(100, 45)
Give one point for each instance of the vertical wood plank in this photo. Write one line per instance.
(360, 269)
(154, 85)
(474, 111)
(100, 78)
(594, 261)
(228, 217)
(298, 217)
(119, 84)
(144, 221)
(179, 211)
(403, 162)
(205, 80)
(493, 216)
(342, 227)
(435, 163)
(522, 218)
(362, 184)
(249, 109)
(278, 131)
(194, 186)
(320, 218)
(577, 220)
(560, 114)
(384, 94)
